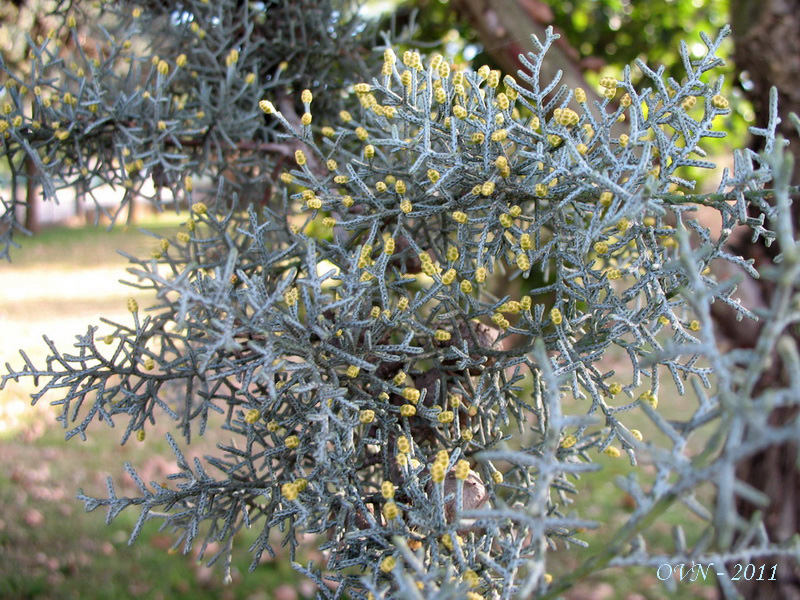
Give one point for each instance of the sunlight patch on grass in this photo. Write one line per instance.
(59, 284)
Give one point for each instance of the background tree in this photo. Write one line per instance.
(140, 100)
(340, 332)
(763, 63)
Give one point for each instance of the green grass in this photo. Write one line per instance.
(600, 499)
(62, 246)
(51, 549)
(603, 501)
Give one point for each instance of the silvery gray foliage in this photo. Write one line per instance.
(139, 98)
(344, 340)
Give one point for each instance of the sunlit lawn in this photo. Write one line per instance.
(59, 283)
(64, 280)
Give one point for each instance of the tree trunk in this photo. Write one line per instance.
(31, 201)
(766, 34)
(767, 51)
(131, 211)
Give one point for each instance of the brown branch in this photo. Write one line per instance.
(505, 29)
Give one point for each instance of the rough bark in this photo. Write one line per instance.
(767, 49)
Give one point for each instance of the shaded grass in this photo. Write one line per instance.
(51, 549)
(600, 499)
(603, 501)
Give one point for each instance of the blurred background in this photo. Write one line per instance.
(66, 277)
